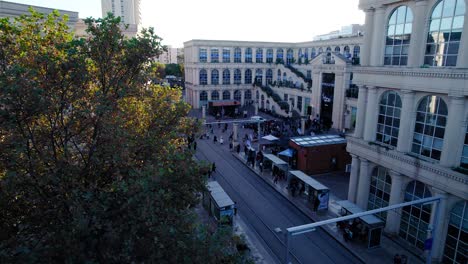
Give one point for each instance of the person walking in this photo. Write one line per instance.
(195, 145)
(221, 140)
(213, 168)
(238, 148)
(215, 139)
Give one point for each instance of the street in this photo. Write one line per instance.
(265, 210)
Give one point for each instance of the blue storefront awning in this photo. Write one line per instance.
(288, 153)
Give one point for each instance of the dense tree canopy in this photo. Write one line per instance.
(93, 163)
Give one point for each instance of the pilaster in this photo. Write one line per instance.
(406, 117)
(378, 37)
(371, 114)
(368, 28)
(361, 112)
(418, 33)
(364, 184)
(453, 132)
(353, 178)
(392, 224)
(439, 220)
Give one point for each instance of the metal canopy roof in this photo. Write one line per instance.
(370, 220)
(310, 141)
(275, 160)
(309, 180)
(219, 195)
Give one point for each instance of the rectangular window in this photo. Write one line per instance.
(226, 55)
(202, 55)
(214, 55)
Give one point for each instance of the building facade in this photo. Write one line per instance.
(9, 9)
(411, 136)
(310, 78)
(128, 10)
(169, 56)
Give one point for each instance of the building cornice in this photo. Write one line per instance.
(414, 72)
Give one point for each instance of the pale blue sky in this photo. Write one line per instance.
(177, 21)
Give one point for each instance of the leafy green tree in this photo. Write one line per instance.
(93, 166)
(173, 69)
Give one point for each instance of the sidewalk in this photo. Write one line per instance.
(383, 254)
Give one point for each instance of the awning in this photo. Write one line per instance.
(308, 180)
(270, 137)
(288, 153)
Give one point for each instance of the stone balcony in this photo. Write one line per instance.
(432, 80)
(415, 168)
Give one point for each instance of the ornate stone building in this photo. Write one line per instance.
(310, 77)
(411, 137)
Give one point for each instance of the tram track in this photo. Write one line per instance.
(237, 166)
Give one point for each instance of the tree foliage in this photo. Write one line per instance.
(93, 166)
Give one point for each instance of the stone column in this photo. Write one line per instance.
(440, 220)
(364, 184)
(453, 138)
(256, 107)
(406, 118)
(462, 59)
(371, 115)
(378, 37)
(396, 196)
(203, 111)
(353, 178)
(418, 40)
(338, 101)
(242, 97)
(208, 76)
(368, 28)
(361, 112)
(303, 126)
(235, 127)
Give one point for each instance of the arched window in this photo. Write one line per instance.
(346, 52)
(203, 77)
(429, 130)
(300, 53)
(379, 193)
(214, 95)
(320, 50)
(269, 76)
(237, 55)
(226, 76)
(214, 77)
(259, 76)
(356, 51)
(456, 242)
(285, 77)
(328, 49)
(278, 76)
(312, 53)
(214, 55)
(415, 218)
(289, 56)
(237, 76)
(279, 55)
(398, 36)
(248, 95)
(248, 55)
(226, 95)
(445, 33)
(259, 55)
(337, 49)
(203, 96)
(388, 123)
(269, 56)
(202, 55)
(306, 53)
(226, 55)
(464, 156)
(237, 95)
(248, 76)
